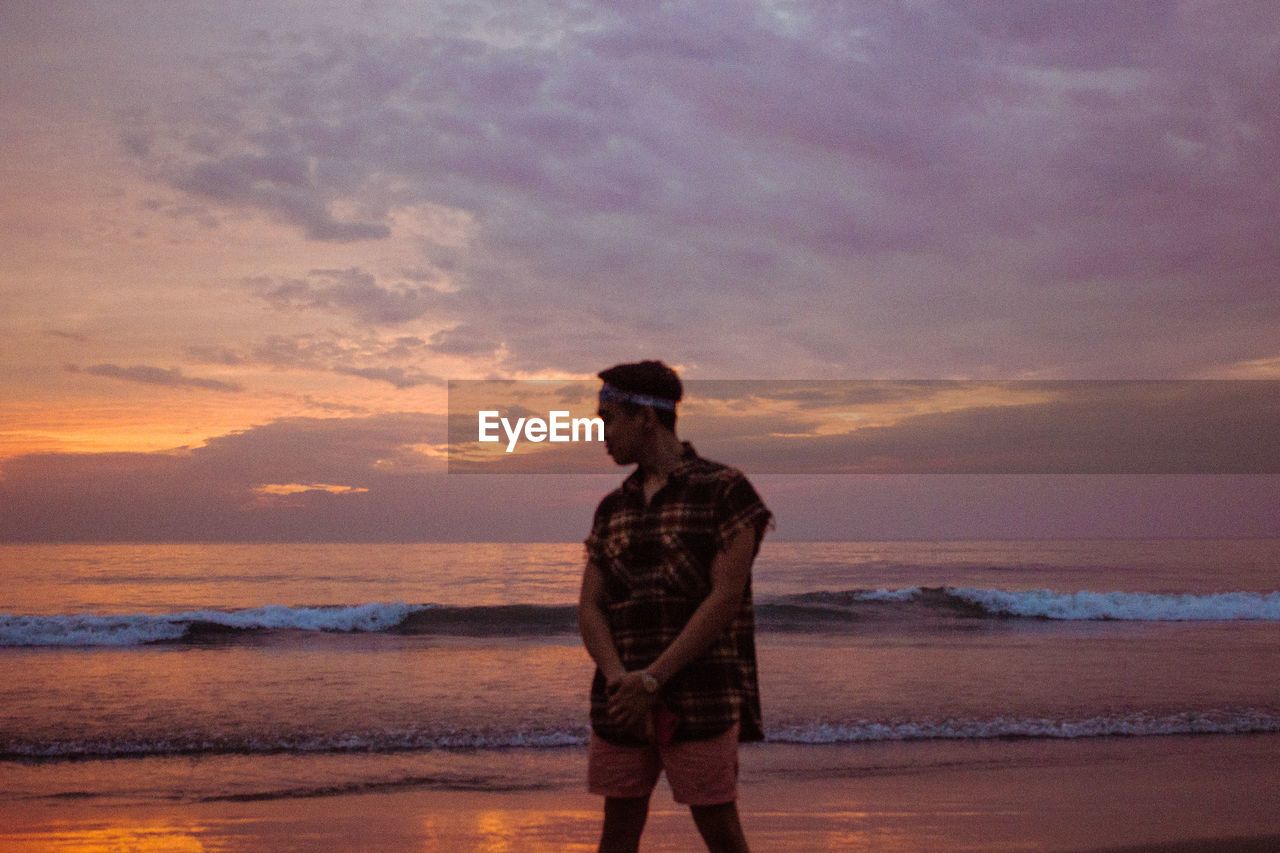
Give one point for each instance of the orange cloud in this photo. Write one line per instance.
(298, 488)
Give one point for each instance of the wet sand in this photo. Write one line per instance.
(1168, 794)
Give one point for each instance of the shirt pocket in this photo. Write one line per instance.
(686, 569)
(614, 558)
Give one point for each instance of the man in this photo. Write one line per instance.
(666, 614)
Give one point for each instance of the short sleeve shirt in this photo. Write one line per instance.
(655, 559)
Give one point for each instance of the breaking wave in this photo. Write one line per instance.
(815, 611)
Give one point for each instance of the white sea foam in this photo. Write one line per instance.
(1143, 606)
(133, 629)
(342, 742)
(1245, 721)
(87, 630)
(908, 594)
(1138, 724)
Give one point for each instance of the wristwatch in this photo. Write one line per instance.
(650, 683)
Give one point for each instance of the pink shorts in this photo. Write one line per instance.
(700, 772)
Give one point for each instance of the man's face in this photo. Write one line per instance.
(623, 432)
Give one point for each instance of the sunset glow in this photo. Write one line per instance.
(319, 530)
(268, 238)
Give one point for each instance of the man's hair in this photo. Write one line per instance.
(647, 377)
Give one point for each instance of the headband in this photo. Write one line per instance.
(609, 394)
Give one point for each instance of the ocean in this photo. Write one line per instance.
(207, 673)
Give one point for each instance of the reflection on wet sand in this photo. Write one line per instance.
(993, 796)
(114, 838)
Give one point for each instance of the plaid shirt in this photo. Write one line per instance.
(656, 564)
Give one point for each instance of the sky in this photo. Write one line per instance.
(244, 246)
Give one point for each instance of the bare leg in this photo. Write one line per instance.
(624, 819)
(720, 828)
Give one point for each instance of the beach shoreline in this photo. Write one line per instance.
(1172, 794)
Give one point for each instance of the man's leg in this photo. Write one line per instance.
(624, 819)
(720, 827)
(704, 775)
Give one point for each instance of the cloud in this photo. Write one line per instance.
(1081, 428)
(368, 480)
(397, 376)
(939, 188)
(300, 479)
(172, 377)
(364, 356)
(213, 355)
(1073, 33)
(328, 450)
(280, 184)
(747, 188)
(352, 290)
(464, 339)
(78, 337)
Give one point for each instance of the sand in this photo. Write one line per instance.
(1167, 794)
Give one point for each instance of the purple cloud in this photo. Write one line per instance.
(213, 493)
(354, 291)
(1003, 187)
(280, 184)
(367, 356)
